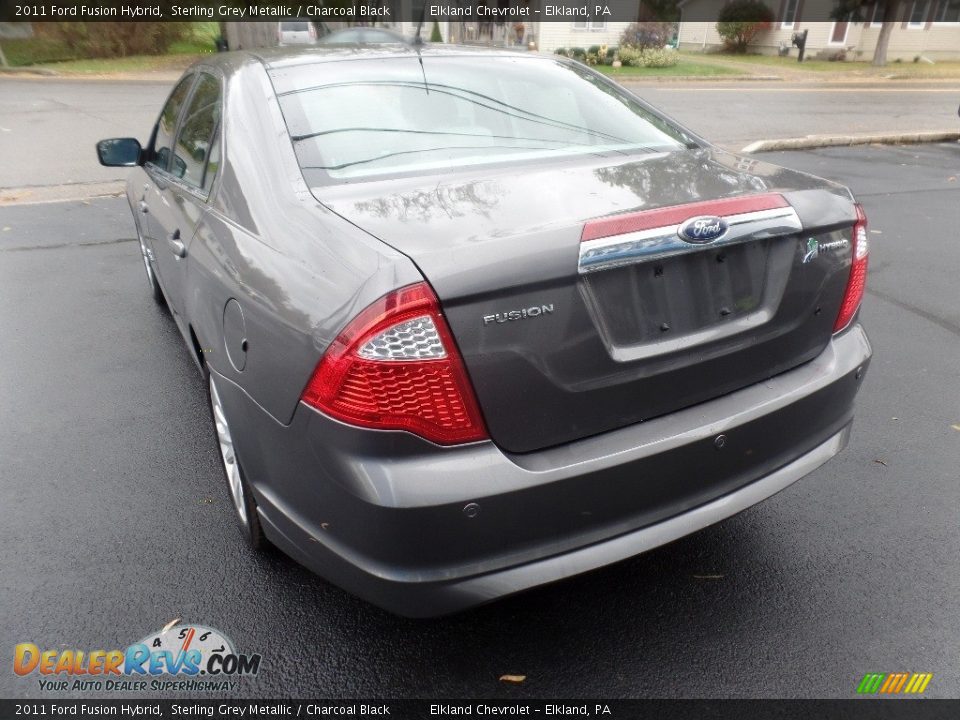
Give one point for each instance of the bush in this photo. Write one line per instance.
(119, 39)
(578, 53)
(561, 51)
(611, 55)
(651, 58)
(435, 35)
(629, 56)
(659, 58)
(740, 21)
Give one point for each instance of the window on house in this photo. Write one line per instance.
(590, 25)
(948, 11)
(790, 13)
(918, 14)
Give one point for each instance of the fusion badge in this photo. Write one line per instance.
(523, 314)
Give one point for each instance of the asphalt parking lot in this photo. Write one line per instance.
(115, 520)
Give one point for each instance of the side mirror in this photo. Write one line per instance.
(179, 166)
(119, 152)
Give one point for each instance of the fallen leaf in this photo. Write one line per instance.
(877, 232)
(881, 462)
(513, 678)
(169, 625)
(956, 427)
(206, 501)
(7, 229)
(708, 577)
(894, 418)
(324, 526)
(952, 178)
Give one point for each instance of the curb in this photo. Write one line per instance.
(70, 192)
(630, 79)
(821, 141)
(27, 71)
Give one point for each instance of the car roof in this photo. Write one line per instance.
(286, 57)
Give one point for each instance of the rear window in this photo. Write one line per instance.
(392, 116)
(294, 26)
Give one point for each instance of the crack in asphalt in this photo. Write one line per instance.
(60, 246)
(912, 191)
(940, 322)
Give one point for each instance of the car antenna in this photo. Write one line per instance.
(417, 42)
(423, 13)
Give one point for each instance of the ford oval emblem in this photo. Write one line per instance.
(702, 230)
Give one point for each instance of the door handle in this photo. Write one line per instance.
(144, 208)
(176, 244)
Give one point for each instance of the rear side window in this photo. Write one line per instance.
(196, 136)
(167, 125)
(294, 27)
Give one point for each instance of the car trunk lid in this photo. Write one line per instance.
(577, 306)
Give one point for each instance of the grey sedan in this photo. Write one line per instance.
(475, 321)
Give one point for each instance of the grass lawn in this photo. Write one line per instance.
(683, 68)
(130, 64)
(945, 69)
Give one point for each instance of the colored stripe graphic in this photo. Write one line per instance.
(894, 683)
(870, 683)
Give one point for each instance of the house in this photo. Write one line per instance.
(924, 28)
(545, 36)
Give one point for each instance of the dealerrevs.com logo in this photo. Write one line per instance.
(180, 657)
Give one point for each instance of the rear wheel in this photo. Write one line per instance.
(244, 503)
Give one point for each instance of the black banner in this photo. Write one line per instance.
(385, 11)
(892, 709)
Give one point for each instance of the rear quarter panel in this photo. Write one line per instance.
(298, 271)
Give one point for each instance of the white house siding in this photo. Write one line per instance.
(937, 41)
(553, 35)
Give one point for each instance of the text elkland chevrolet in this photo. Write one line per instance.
(475, 321)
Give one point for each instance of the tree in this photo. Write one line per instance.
(856, 10)
(740, 21)
(435, 35)
(662, 10)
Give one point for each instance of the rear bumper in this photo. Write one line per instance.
(423, 530)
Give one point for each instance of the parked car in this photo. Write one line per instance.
(362, 36)
(473, 321)
(296, 32)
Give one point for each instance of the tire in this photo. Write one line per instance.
(155, 289)
(238, 489)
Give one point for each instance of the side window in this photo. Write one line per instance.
(192, 148)
(167, 125)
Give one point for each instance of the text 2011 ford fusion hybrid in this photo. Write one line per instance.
(475, 321)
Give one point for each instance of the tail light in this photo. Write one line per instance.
(312, 30)
(396, 367)
(857, 282)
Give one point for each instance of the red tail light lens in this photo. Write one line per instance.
(396, 367)
(857, 282)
